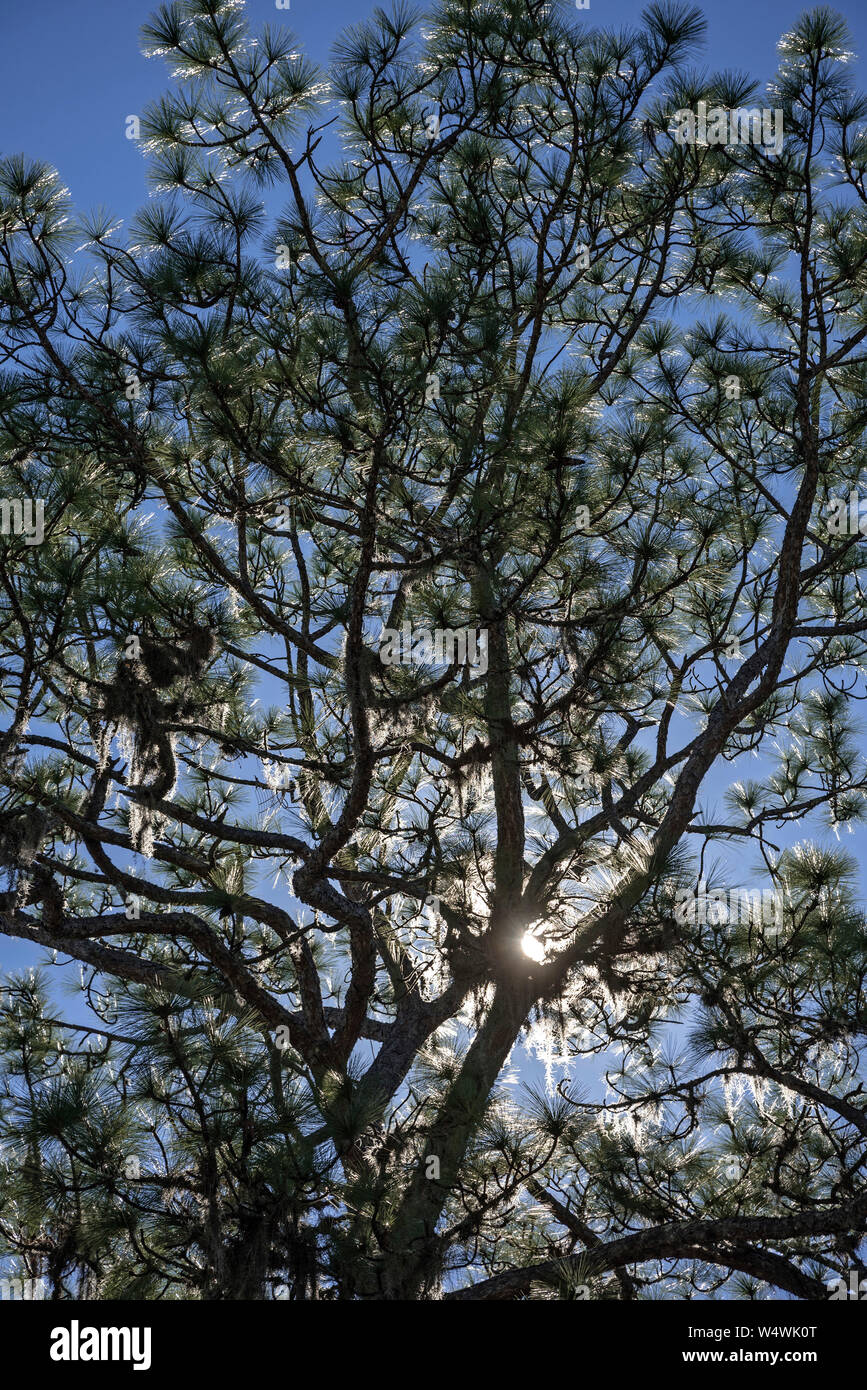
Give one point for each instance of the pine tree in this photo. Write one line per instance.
(445, 487)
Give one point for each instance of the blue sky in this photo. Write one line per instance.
(69, 107)
(71, 73)
(92, 75)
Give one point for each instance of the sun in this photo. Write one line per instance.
(533, 947)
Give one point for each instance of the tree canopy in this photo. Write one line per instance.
(454, 347)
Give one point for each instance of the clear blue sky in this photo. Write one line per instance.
(71, 71)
